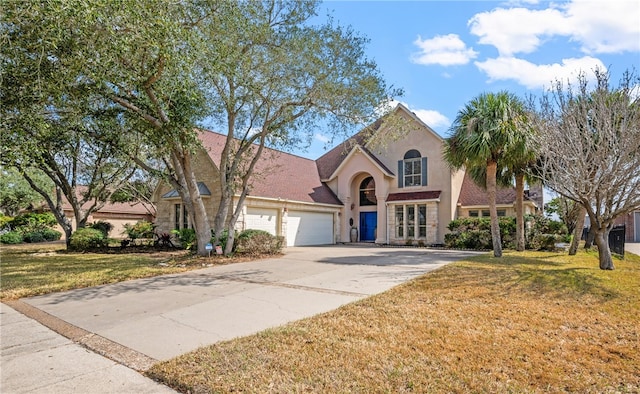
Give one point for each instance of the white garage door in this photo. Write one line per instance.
(309, 228)
(261, 219)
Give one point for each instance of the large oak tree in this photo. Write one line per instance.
(261, 70)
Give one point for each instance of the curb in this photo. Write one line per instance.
(114, 351)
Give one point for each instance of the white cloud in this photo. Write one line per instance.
(535, 76)
(605, 26)
(322, 138)
(516, 30)
(432, 118)
(446, 50)
(598, 26)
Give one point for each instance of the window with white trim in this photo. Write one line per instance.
(411, 221)
(412, 170)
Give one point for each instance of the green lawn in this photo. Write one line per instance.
(527, 323)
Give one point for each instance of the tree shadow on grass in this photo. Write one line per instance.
(540, 276)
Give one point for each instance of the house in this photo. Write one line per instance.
(631, 222)
(384, 190)
(118, 214)
(474, 202)
(287, 197)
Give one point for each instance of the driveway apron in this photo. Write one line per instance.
(163, 317)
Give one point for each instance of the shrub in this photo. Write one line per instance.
(85, 239)
(222, 239)
(187, 237)
(545, 242)
(33, 237)
(142, 229)
(104, 227)
(475, 233)
(33, 221)
(12, 237)
(5, 221)
(540, 232)
(50, 234)
(256, 242)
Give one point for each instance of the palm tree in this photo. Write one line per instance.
(483, 131)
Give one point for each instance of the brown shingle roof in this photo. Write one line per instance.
(472, 194)
(135, 208)
(330, 161)
(411, 196)
(278, 174)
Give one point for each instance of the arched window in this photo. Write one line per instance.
(412, 170)
(368, 192)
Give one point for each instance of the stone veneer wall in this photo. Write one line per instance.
(205, 172)
(432, 224)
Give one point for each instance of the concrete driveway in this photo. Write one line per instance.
(633, 247)
(162, 317)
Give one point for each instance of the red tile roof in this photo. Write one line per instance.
(278, 174)
(411, 196)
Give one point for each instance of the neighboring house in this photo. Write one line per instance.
(474, 202)
(400, 191)
(631, 221)
(118, 214)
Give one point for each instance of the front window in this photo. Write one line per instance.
(368, 192)
(412, 168)
(473, 214)
(400, 221)
(180, 217)
(411, 221)
(422, 221)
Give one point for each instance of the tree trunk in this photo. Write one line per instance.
(493, 212)
(590, 237)
(519, 212)
(604, 254)
(577, 231)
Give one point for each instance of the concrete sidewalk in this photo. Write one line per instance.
(633, 247)
(142, 321)
(37, 360)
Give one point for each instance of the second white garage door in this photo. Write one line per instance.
(261, 219)
(309, 228)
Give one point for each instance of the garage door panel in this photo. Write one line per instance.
(261, 219)
(309, 228)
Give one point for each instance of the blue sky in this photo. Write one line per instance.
(444, 53)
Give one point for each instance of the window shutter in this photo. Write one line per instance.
(400, 173)
(424, 171)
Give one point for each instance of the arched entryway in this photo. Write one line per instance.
(367, 203)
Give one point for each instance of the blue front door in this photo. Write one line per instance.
(368, 224)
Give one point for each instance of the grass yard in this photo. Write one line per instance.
(527, 323)
(34, 269)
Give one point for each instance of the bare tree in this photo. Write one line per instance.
(589, 138)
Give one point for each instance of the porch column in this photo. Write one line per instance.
(381, 233)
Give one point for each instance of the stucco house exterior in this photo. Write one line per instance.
(394, 192)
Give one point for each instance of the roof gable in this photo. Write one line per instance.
(370, 156)
(329, 163)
